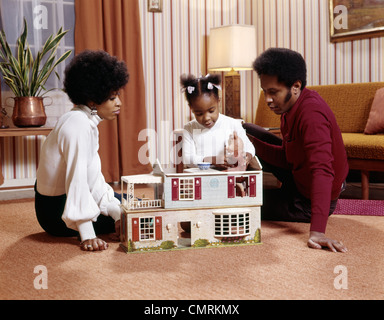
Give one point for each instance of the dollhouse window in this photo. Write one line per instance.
(241, 186)
(147, 228)
(187, 189)
(232, 225)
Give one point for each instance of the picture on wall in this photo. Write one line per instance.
(155, 5)
(356, 19)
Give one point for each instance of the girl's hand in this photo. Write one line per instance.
(235, 145)
(95, 244)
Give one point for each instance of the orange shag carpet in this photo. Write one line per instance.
(282, 267)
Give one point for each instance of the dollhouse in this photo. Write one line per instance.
(196, 208)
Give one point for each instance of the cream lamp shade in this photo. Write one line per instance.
(232, 47)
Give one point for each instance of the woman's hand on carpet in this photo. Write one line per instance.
(95, 244)
(318, 240)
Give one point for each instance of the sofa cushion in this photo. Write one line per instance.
(351, 103)
(361, 146)
(375, 123)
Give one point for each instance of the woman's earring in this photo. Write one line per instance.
(93, 111)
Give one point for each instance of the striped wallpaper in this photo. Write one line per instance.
(19, 156)
(175, 41)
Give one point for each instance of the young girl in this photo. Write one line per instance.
(72, 197)
(212, 137)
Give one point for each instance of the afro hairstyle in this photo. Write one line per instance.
(289, 66)
(92, 76)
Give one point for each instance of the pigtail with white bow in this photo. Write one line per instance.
(193, 86)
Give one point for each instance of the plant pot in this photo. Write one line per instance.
(29, 112)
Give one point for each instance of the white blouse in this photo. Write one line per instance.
(70, 164)
(200, 142)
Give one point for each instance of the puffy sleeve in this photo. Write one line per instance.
(80, 208)
(88, 194)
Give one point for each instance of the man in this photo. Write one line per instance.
(310, 160)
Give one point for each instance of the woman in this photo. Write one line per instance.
(70, 189)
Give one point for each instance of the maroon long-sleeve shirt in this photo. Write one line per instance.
(313, 149)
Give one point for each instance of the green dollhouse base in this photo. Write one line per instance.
(166, 246)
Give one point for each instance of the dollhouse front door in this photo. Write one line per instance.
(184, 234)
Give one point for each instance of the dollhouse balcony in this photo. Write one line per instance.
(130, 202)
(145, 204)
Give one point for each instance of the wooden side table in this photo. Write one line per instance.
(18, 132)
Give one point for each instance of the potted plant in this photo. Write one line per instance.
(26, 76)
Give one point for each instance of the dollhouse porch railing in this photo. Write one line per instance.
(143, 204)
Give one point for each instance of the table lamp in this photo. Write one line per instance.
(232, 48)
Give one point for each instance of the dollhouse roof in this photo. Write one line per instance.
(143, 179)
(158, 174)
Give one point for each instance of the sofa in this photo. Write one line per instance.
(359, 111)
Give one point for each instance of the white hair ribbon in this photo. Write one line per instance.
(190, 89)
(211, 85)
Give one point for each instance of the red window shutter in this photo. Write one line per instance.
(197, 188)
(158, 228)
(135, 229)
(252, 186)
(175, 189)
(231, 187)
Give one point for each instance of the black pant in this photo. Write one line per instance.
(285, 203)
(49, 211)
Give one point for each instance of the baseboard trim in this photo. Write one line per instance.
(16, 194)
